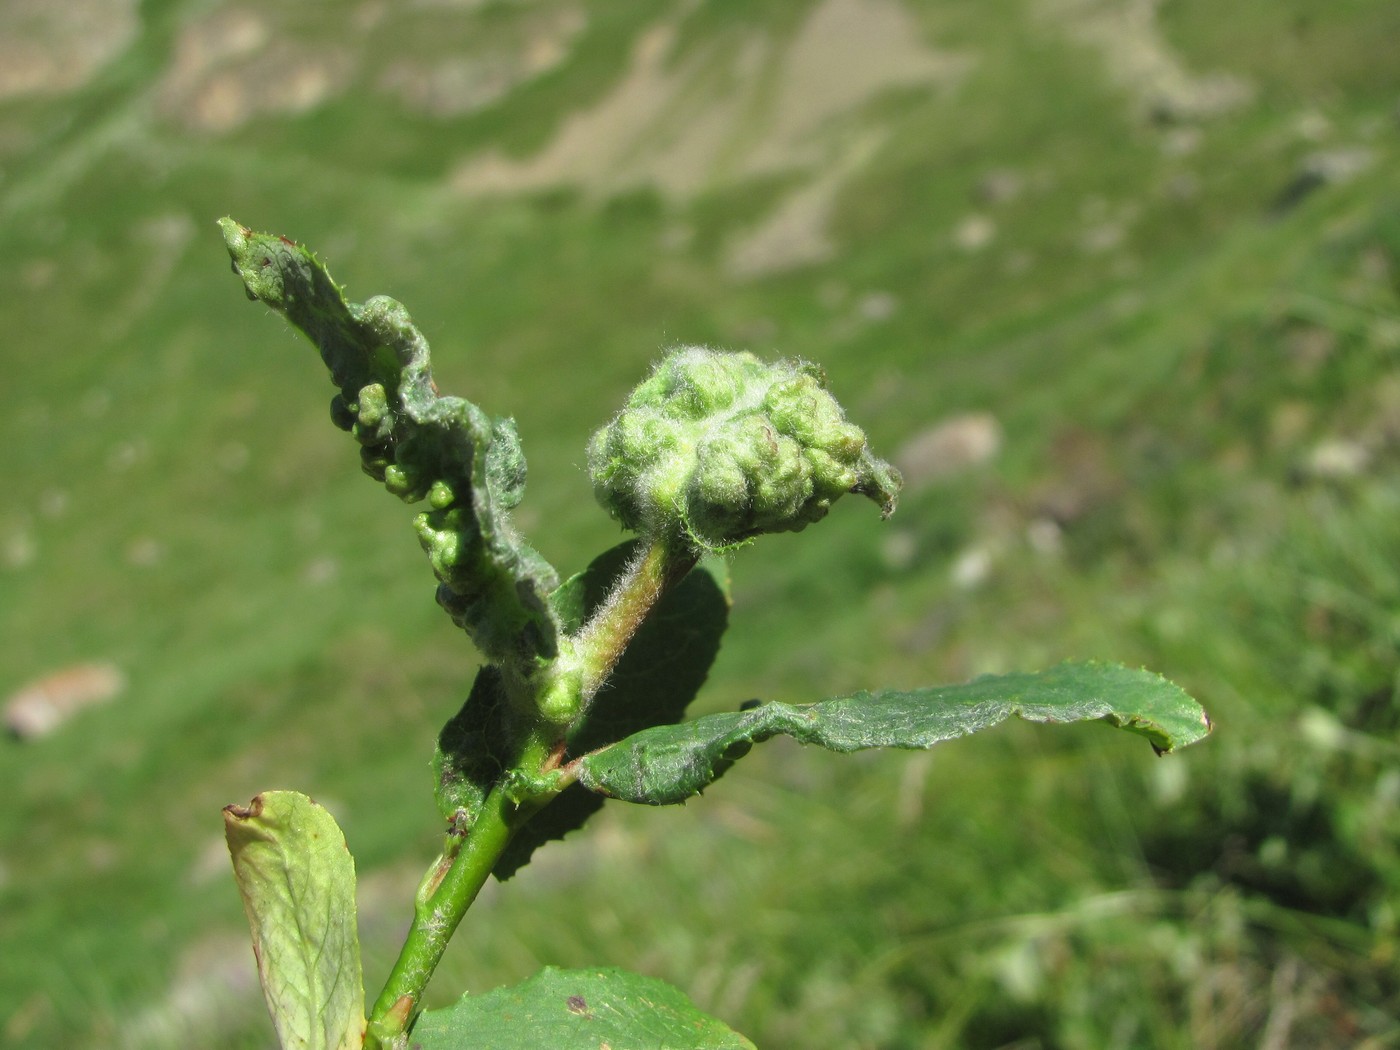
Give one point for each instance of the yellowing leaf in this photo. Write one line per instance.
(297, 879)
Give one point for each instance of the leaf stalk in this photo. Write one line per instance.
(600, 643)
(445, 897)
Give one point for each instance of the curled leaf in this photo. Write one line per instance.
(668, 764)
(423, 446)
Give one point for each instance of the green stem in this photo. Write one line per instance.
(601, 642)
(440, 909)
(451, 887)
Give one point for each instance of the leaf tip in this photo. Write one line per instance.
(251, 811)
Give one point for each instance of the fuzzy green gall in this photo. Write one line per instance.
(714, 448)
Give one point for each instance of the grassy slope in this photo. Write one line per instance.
(1167, 377)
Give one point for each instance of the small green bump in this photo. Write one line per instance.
(521, 787)
(441, 496)
(374, 423)
(443, 546)
(561, 699)
(399, 480)
(831, 477)
(373, 404)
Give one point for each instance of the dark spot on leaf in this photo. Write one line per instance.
(251, 810)
(577, 1004)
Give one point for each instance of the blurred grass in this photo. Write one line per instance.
(176, 503)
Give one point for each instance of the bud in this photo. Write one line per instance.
(717, 448)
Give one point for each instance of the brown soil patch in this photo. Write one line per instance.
(49, 48)
(726, 113)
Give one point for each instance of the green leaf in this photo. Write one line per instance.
(297, 879)
(474, 748)
(668, 764)
(657, 678)
(468, 466)
(576, 1010)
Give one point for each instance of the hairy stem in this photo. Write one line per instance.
(601, 642)
(445, 898)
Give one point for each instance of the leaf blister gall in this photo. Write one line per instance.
(413, 439)
(715, 448)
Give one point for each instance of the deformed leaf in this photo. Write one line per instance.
(297, 879)
(668, 764)
(421, 445)
(576, 1010)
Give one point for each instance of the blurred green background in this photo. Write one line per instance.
(1114, 280)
